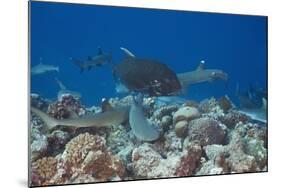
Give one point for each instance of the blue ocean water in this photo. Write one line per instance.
(237, 44)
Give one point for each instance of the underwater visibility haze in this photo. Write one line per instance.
(121, 93)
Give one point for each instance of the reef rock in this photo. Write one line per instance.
(186, 113)
(87, 154)
(39, 147)
(67, 107)
(147, 163)
(38, 102)
(181, 128)
(189, 161)
(232, 118)
(206, 130)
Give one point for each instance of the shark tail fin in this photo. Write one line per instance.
(78, 63)
(264, 103)
(184, 89)
(62, 87)
(49, 121)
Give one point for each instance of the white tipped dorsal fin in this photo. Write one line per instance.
(201, 65)
(105, 105)
(264, 103)
(100, 51)
(40, 61)
(127, 52)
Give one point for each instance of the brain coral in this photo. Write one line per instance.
(206, 130)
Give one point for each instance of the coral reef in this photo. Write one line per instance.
(43, 170)
(206, 131)
(225, 103)
(186, 114)
(150, 164)
(232, 118)
(210, 137)
(67, 107)
(38, 102)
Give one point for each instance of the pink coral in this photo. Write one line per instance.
(189, 161)
(67, 107)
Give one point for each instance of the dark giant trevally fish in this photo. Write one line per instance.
(146, 76)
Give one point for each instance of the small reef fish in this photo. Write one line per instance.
(42, 68)
(64, 91)
(141, 127)
(146, 76)
(109, 117)
(258, 114)
(201, 75)
(95, 61)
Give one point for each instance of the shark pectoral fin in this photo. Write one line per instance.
(127, 52)
(264, 104)
(184, 89)
(201, 66)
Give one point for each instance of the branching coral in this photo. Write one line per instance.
(87, 154)
(43, 170)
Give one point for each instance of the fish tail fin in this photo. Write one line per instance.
(49, 121)
(184, 89)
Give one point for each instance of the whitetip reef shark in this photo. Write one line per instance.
(186, 78)
(141, 127)
(96, 61)
(64, 91)
(258, 114)
(107, 118)
(201, 75)
(42, 68)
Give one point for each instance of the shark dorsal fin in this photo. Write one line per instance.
(201, 66)
(264, 103)
(100, 51)
(40, 61)
(105, 105)
(127, 52)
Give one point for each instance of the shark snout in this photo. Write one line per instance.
(220, 75)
